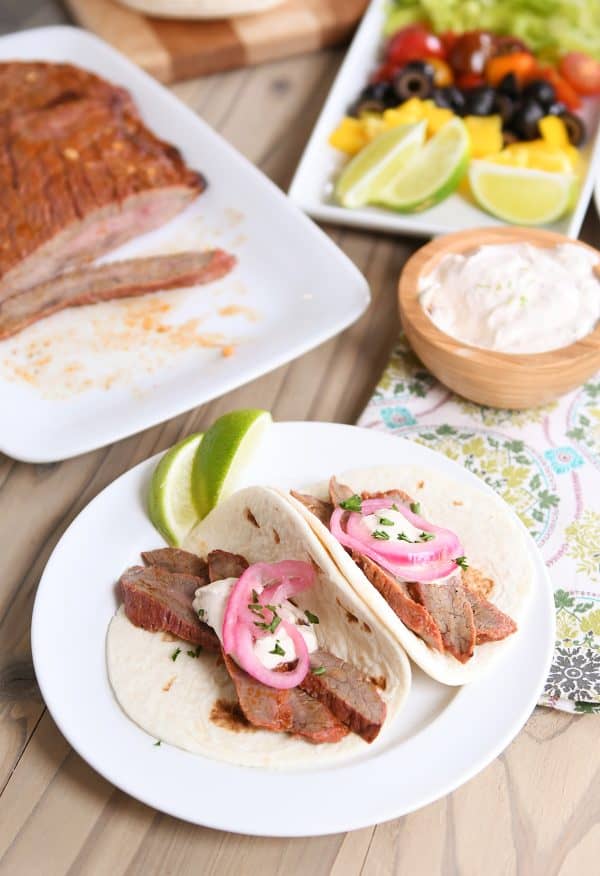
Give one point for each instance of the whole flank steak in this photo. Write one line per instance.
(80, 174)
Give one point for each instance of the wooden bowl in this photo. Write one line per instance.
(502, 380)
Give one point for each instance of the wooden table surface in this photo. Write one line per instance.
(535, 810)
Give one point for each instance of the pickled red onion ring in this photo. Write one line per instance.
(424, 561)
(273, 583)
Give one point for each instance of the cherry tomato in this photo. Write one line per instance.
(505, 45)
(442, 72)
(469, 80)
(581, 71)
(448, 38)
(471, 51)
(413, 43)
(499, 66)
(565, 93)
(385, 72)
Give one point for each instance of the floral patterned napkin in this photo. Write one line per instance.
(545, 462)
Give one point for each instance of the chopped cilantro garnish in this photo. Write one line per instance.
(278, 650)
(311, 617)
(415, 507)
(381, 535)
(462, 562)
(426, 536)
(257, 609)
(270, 627)
(383, 521)
(157, 743)
(353, 503)
(402, 536)
(175, 654)
(195, 653)
(200, 612)
(254, 597)
(395, 507)
(318, 670)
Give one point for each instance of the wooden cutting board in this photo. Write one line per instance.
(172, 49)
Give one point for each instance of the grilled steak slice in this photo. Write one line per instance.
(414, 615)
(176, 560)
(322, 510)
(223, 564)
(451, 610)
(352, 698)
(289, 711)
(491, 624)
(115, 280)
(338, 492)
(158, 600)
(398, 496)
(79, 178)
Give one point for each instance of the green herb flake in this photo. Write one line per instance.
(395, 507)
(353, 503)
(462, 562)
(312, 618)
(274, 623)
(200, 613)
(415, 507)
(256, 609)
(318, 670)
(175, 654)
(278, 650)
(384, 521)
(381, 535)
(402, 536)
(426, 536)
(195, 653)
(157, 743)
(254, 597)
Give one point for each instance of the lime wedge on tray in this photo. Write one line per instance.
(432, 174)
(521, 195)
(223, 454)
(378, 164)
(170, 504)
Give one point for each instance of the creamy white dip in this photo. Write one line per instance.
(399, 524)
(210, 603)
(514, 297)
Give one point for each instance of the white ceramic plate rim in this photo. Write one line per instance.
(342, 93)
(74, 440)
(470, 732)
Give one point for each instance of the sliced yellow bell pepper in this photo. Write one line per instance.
(554, 131)
(485, 134)
(349, 136)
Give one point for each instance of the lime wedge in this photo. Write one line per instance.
(521, 195)
(170, 504)
(433, 174)
(378, 164)
(224, 453)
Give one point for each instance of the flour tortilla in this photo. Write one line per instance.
(493, 542)
(200, 8)
(173, 700)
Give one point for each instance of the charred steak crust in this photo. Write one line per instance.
(451, 610)
(491, 624)
(284, 711)
(224, 564)
(322, 510)
(177, 560)
(353, 699)
(80, 174)
(106, 282)
(158, 600)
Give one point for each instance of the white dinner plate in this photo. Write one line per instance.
(92, 375)
(441, 738)
(312, 185)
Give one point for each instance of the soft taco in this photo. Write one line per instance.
(250, 646)
(445, 567)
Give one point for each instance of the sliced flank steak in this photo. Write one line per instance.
(491, 624)
(161, 601)
(352, 698)
(290, 711)
(124, 279)
(177, 560)
(451, 610)
(322, 510)
(224, 564)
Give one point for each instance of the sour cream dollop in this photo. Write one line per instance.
(210, 602)
(515, 297)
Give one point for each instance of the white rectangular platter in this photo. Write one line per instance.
(312, 185)
(92, 375)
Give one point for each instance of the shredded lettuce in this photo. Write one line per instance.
(547, 26)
